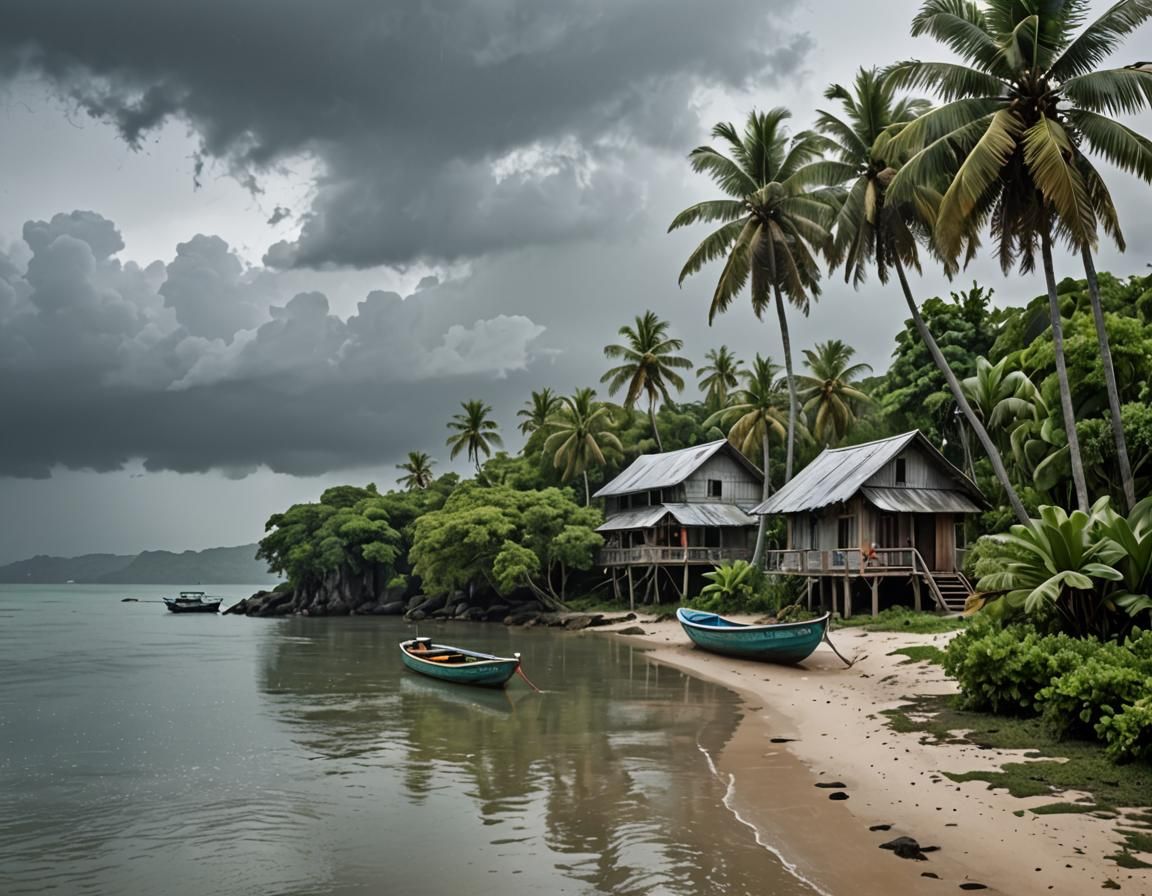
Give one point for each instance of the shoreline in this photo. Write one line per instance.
(827, 723)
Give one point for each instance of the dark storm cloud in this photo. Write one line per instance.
(187, 367)
(444, 129)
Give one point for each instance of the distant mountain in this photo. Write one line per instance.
(45, 570)
(214, 566)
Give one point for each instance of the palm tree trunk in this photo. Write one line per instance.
(958, 396)
(587, 492)
(1110, 383)
(652, 417)
(1068, 411)
(765, 493)
(793, 400)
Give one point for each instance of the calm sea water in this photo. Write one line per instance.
(146, 753)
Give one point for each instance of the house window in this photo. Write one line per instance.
(715, 488)
(901, 471)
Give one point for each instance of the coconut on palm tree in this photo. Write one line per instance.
(474, 432)
(649, 365)
(417, 470)
(756, 414)
(579, 434)
(874, 228)
(771, 230)
(719, 376)
(1007, 144)
(829, 396)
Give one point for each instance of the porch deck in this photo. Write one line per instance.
(653, 555)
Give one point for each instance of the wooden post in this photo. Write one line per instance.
(847, 597)
(876, 595)
(808, 588)
(684, 590)
(631, 592)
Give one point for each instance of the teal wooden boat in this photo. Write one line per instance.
(458, 665)
(786, 642)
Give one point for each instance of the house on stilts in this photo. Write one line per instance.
(671, 517)
(877, 524)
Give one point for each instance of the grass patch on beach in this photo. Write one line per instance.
(901, 619)
(1059, 765)
(920, 653)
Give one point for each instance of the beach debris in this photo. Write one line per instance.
(972, 885)
(838, 795)
(909, 848)
(931, 874)
(880, 827)
(781, 740)
(834, 785)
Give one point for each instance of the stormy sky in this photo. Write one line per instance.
(249, 249)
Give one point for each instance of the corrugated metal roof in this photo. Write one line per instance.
(684, 514)
(920, 500)
(653, 471)
(837, 474)
(636, 518)
(710, 515)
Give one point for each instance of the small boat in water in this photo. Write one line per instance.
(192, 602)
(457, 664)
(785, 642)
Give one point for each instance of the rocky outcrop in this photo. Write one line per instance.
(341, 593)
(346, 594)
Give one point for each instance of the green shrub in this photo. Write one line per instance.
(1127, 734)
(732, 587)
(1075, 702)
(1003, 669)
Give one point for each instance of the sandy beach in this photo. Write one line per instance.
(830, 718)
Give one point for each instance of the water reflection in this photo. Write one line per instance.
(600, 779)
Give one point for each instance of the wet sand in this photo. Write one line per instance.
(830, 716)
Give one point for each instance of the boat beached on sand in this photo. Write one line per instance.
(192, 602)
(457, 664)
(785, 642)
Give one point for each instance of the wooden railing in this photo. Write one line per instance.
(653, 555)
(851, 560)
(886, 562)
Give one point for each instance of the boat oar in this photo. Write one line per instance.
(520, 672)
(847, 662)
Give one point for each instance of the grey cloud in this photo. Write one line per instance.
(103, 362)
(205, 288)
(412, 107)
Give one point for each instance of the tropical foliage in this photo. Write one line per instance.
(772, 226)
(580, 433)
(505, 539)
(475, 433)
(417, 471)
(829, 393)
(649, 365)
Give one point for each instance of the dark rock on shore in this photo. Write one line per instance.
(908, 848)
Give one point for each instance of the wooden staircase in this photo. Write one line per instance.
(951, 590)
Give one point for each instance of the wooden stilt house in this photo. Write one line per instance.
(883, 520)
(671, 517)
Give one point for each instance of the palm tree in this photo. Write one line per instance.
(872, 227)
(581, 430)
(1018, 110)
(755, 415)
(771, 226)
(829, 391)
(719, 376)
(475, 432)
(418, 470)
(537, 410)
(649, 366)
